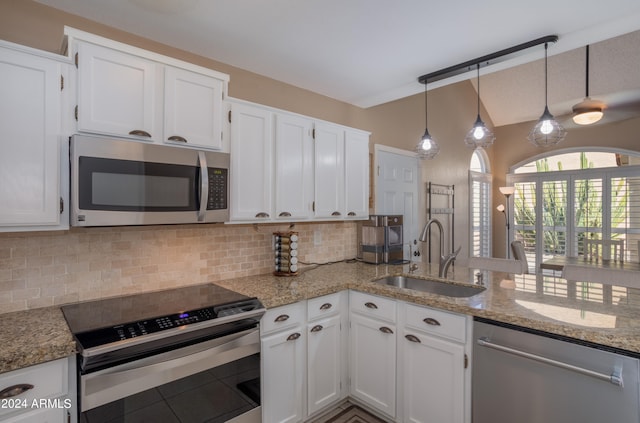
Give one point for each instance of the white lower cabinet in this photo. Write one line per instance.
(43, 393)
(283, 356)
(432, 367)
(372, 367)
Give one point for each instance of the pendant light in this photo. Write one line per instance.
(427, 147)
(587, 111)
(479, 135)
(547, 131)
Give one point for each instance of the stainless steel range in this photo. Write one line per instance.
(181, 355)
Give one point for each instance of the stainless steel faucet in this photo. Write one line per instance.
(445, 260)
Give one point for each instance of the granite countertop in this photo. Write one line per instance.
(34, 336)
(603, 314)
(606, 315)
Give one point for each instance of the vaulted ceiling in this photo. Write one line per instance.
(368, 52)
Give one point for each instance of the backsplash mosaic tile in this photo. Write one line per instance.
(51, 268)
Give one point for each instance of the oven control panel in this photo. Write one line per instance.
(158, 324)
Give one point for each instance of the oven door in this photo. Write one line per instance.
(215, 380)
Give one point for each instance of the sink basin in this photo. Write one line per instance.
(432, 286)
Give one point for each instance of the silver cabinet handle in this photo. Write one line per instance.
(614, 378)
(15, 390)
(284, 214)
(336, 213)
(351, 214)
(293, 336)
(316, 328)
(371, 305)
(281, 318)
(177, 138)
(431, 321)
(140, 133)
(262, 214)
(413, 338)
(326, 306)
(385, 329)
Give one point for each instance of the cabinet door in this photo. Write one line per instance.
(283, 368)
(373, 363)
(251, 163)
(116, 93)
(432, 379)
(30, 105)
(324, 364)
(329, 171)
(42, 415)
(293, 167)
(356, 158)
(192, 109)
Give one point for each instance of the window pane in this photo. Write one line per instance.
(554, 218)
(588, 211)
(625, 214)
(524, 219)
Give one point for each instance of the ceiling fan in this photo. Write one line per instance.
(607, 108)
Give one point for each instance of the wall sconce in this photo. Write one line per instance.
(507, 192)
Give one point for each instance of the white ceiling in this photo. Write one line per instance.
(368, 52)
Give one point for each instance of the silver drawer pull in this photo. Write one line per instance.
(281, 318)
(351, 214)
(371, 305)
(325, 306)
(284, 214)
(177, 138)
(413, 338)
(385, 329)
(293, 336)
(336, 213)
(262, 214)
(431, 321)
(316, 328)
(140, 133)
(615, 377)
(15, 390)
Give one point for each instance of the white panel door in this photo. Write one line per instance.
(293, 167)
(329, 171)
(192, 109)
(397, 181)
(251, 163)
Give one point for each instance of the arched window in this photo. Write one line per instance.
(565, 197)
(480, 204)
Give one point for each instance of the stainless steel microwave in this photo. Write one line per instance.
(117, 182)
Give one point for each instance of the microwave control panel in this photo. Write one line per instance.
(218, 186)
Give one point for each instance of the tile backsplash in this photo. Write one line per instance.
(51, 268)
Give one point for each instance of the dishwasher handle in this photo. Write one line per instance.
(614, 378)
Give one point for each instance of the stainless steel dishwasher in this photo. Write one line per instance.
(526, 376)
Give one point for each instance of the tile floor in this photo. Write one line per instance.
(348, 412)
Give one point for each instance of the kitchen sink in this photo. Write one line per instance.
(432, 286)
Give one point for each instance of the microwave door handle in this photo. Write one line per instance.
(204, 185)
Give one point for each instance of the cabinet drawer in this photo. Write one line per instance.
(442, 323)
(327, 305)
(284, 317)
(373, 306)
(49, 380)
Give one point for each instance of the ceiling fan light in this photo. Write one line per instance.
(587, 112)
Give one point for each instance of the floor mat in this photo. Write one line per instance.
(354, 414)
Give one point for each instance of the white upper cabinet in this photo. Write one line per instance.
(32, 177)
(129, 92)
(293, 167)
(116, 93)
(356, 175)
(192, 109)
(251, 162)
(329, 171)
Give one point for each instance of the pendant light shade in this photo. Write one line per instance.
(547, 131)
(479, 135)
(587, 111)
(427, 147)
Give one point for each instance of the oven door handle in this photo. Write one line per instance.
(114, 383)
(204, 185)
